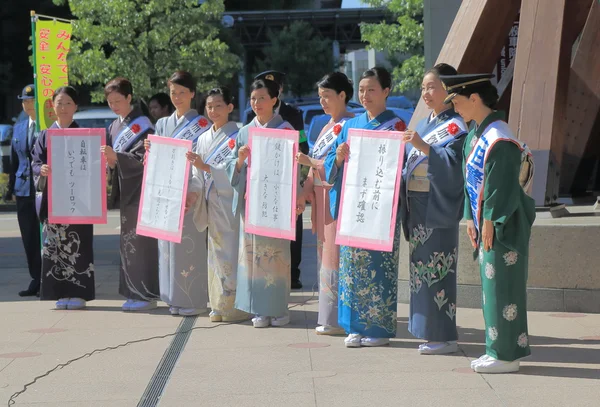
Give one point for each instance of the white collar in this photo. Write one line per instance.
(30, 121)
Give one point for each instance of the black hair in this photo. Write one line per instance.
(381, 74)
(442, 69)
(163, 100)
(69, 91)
(120, 85)
(183, 78)
(267, 84)
(486, 91)
(338, 82)
(224, 92)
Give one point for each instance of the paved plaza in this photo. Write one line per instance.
(237, 365)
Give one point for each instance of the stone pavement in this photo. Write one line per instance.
(237, 365)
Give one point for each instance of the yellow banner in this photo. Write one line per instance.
(52, 42)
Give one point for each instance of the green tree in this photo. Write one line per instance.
(301, 54)
(401, 40)
(146, 41)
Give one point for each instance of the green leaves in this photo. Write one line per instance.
(146, 41)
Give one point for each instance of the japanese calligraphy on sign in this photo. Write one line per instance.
(77, 185)
(164, 189)
(370, 190)
(271, 184)
(508, 51)
(52, 41)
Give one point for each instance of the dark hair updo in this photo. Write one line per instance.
(486, 91)
(69, 91)
(267, 84)
(338, 82)
(442, 70)
(119, 85)
(381, 74)
(224, 92)
(183, 78)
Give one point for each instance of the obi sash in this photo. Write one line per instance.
(326, 140)
(131, 133)
(475, 165)
(193, 129)
(440, 136)
(216, 157)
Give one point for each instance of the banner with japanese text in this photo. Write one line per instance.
(51, 46)
(271, 185)
(77, 181)
(164, 189)
(370, 190)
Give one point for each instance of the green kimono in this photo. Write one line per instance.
(503, 268)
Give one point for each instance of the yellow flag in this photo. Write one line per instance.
(52, 42)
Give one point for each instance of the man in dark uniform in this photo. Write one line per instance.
(21, 188)
(294, 117)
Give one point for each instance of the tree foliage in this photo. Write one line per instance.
(403, 40)
(301, 54)
(146, 41)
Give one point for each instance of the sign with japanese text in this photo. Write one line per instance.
(51, 46)
(77, 181)
(164, 189)
(271, 185)
(370, 190)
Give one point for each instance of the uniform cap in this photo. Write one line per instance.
(454, 84)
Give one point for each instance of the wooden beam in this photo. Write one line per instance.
(583, 100)
(471, 46)
(538, 96)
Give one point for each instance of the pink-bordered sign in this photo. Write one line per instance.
(149, 198)
(67, 163)
(270, 136)
(346, 239)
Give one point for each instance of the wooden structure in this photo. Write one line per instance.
(552, 87)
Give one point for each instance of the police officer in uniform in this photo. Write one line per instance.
(21, 188)
(294, 117)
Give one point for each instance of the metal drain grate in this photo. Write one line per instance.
(158, 383)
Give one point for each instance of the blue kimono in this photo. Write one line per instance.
(368, 279)
(432, 204)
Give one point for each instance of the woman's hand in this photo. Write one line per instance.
(341, 153)
(412, 137)
(110, 155)
(195, 159)
(45, 170)
(243, 154)
(303, 159)
(487, 235)
(300, 204)
(147, 144)
(472, 232)
(190, 201)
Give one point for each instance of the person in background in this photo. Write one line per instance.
(335, 91)
(22, 187)
(294, 117)
(160, 106)
(124, 153)
(432, 200)
(68, 250)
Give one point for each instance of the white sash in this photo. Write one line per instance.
(216, 157)
(438, 137)
(389, 125)
(194, 129)
(326, 140)
(475, 165)
(131, 133)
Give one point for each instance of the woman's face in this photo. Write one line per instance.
(180, 95)
(371, 94)
(217, 110)
(464, 106)
(432, 91)
(119, 104)
(331, 101)
(156, 110)
(261, 102)
(64, 107)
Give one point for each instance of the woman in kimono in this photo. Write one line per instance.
(498, 171)
(212, 152)
(67, 253)
(263, 280)
(367, 278)
(182, 266)
(335, 91)
(124, 152)
(431, 206)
